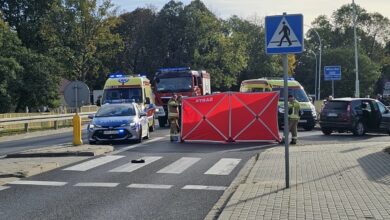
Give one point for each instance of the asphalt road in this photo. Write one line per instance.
(186, 190)
(118, 189)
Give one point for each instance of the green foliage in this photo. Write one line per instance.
(373, 32)
(26, 78)
(78, 33)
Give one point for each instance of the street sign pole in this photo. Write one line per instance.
(286, 131)
(284, 35)
(332, 88)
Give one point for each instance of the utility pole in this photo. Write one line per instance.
(357, 89)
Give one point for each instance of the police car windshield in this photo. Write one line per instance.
(177, 84)
(123, 94)
(298, 93)
(115, 111)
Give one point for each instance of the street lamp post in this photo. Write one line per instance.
(319, 65)
(357, 89)
(315, 78)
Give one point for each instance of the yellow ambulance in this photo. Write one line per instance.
(121, 88)
(255, 85)
(308, 118)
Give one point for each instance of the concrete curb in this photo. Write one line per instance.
(62, 154)
(36, 161)
(29, 169)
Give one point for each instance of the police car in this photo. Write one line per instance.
(118, 122)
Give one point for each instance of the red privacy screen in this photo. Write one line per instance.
(231, 117)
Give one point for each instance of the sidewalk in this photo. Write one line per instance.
(35, 161)
(343, 181)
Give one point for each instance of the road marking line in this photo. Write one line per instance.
(97, 184)
(93, 163)
(38, 183)
(149, 186)
(3, 187)
(223, 167)
(137, 145)
(180, 165)
(130, 167)
(200, 187)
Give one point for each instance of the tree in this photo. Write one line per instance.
(369, 73)
(10, 47)
(26, 78)
(26, 16)
(135, 29)
(78, 34)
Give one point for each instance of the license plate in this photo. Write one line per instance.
(111, 132)
(302, 121)
(332, 115)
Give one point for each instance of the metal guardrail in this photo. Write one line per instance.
(40, 118)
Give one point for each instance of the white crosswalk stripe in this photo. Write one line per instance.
(223, 167)
(130, 167)
(37, 183)
(149, 186)
(97, 184)
(93, 163)
(201, 187)
(180, 165)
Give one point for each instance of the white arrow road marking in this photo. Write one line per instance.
(180, 165)
(200, 187)
(38, 183)
(93, 163)
(97, 184)
(130, 167)
(223, 167)
(149, 186)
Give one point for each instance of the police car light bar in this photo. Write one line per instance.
(174, 69)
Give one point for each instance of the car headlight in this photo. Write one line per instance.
(280, 110)
(157, 110)
(133, 125)
(93, 126)
(313, 111)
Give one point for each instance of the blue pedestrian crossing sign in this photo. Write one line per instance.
(284, 34)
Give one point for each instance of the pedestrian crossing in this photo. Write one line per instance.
(223, 167)
(168, 166)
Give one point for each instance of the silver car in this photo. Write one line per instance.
(118, 122)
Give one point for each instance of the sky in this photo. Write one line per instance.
(261, 8)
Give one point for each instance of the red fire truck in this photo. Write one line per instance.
(180, 80)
